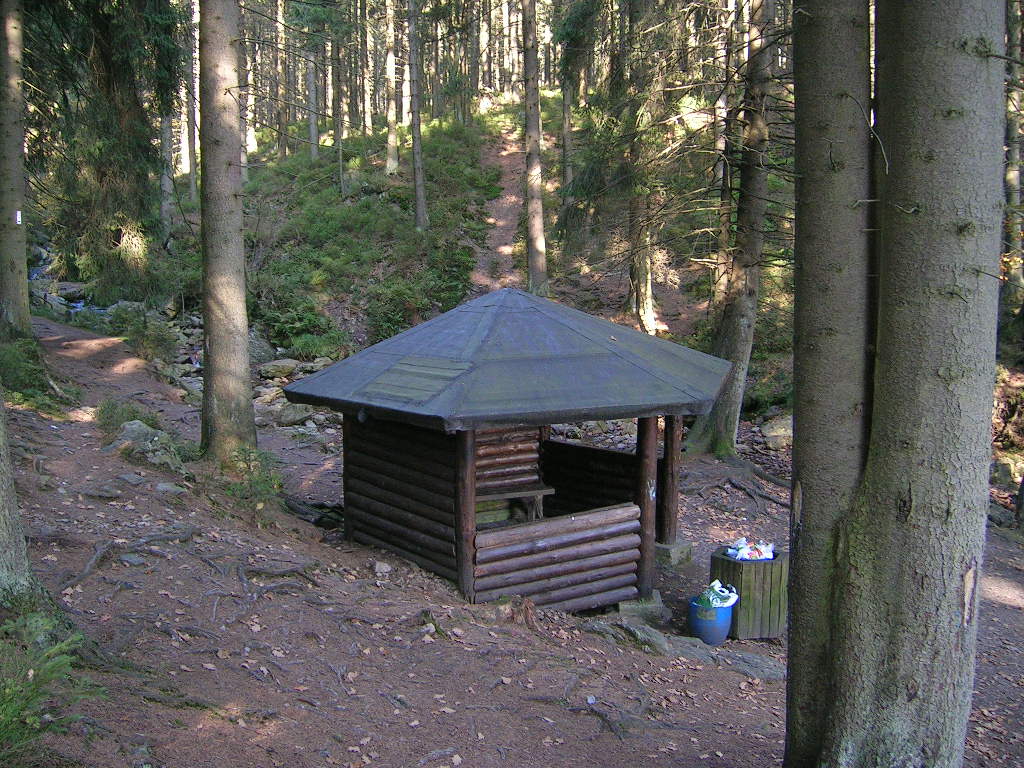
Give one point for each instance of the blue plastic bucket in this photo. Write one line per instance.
(710, 624)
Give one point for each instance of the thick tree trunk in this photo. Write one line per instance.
(391, 163)
(14, 309)
(227, 415)
(833, 333)
(366, 77)
(568, 102)
(734, 335)
(19, 589)
(312, 105)
(905, 565)
(722, 174)
(908, 557)
(419, 182)
(536, 253)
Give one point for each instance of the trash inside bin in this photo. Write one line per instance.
(710, 613)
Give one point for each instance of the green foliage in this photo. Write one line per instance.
(149, 336)
(32, 682)
(335, 344)
(363, 242)
(259, 481)
(111, 414)
(26, 381)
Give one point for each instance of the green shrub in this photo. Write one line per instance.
(259, 481)
(150, 337)
(32, 682)
(111, 414)
(26, 381)
(308, 346)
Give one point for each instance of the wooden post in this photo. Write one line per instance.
(647, 471)
(668, 483)
(465, 510)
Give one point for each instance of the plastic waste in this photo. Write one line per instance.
(717, 596)
(741, 549)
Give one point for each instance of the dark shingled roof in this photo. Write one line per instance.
(512, 358)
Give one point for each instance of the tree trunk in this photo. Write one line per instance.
(506, 47)
(391, 164)
(192, 105)
(244, 121)
(1013, 289)
(227, 415)
(535, 247)
(338, 112)
(722, 181)
(14, 309)
(366, 76)
(907, 555)
(734, 335)
(419, 183)
(312, 105)
(568, 102)
(832, 333)
(281, 95)
(166, 176)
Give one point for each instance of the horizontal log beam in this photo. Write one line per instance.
(528, 455)
(525, 575)
(442, 485)
(373, 491)
(407, 454)
(589, 519)
(629, 541)
(556, 541)
(443, 502)
(557, 582)
(582, 590)
(500, 482)
(507, 470)
(594, 601)
(398, 516)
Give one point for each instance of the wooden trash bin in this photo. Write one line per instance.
(762, 586)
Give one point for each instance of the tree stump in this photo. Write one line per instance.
(762, 586)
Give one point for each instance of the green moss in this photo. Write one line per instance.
(26, 381)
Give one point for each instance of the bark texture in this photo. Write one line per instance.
(734, 336)
(390, 77)
(906, 559)
(536, 252)
(415, 92)
(166, 176)
(14, 311)
(312, 106)
(832, 333)
(17, 584)
(228, 420)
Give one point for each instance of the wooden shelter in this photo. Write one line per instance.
(448, 459)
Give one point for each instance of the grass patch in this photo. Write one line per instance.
(26, 381)
(111, 414)
(36, 685)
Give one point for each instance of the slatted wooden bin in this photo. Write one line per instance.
(762, 586)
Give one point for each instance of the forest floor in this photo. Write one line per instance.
(263, 646)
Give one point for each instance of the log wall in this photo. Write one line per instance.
(507, 457)
(571, 563)
(400, 491)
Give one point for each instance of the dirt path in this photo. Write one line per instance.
(495, 265)
(260, 647)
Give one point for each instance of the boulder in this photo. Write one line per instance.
(778, 433)
(260, 350)
(316, 365)
(277, 369)
(290, 414)
(268, 394)
(140, 441)
(1003, 472)
(1000, 515)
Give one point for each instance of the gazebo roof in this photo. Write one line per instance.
(509, 357)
